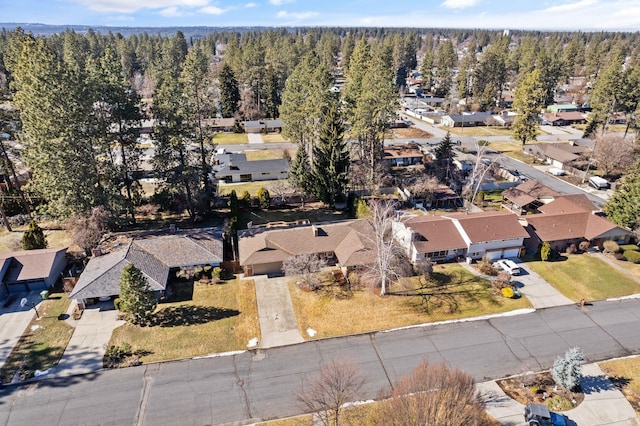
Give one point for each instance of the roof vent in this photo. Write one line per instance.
(315, 230)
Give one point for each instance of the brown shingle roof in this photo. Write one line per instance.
(29, 264)
(439, 233)
(490, 226)
(566, 226)
(527, 192)
(573, 203)
(346, 239)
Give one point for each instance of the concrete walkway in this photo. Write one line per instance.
(603, 403)
(85, 351)
(14, 320)
(254, 138)
(278, 326)
(538, 291)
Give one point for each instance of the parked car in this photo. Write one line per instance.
(539, 415)
(508, 265)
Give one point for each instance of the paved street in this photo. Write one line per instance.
(259, 384)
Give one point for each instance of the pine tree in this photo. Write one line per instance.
(137, 299)
(330, 159)
(299, 174)
(567, 370)
(529, 100)
(33, 238)
(623, 207)
(444, 167)
(229, 93)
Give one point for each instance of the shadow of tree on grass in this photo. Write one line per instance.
(189, 315)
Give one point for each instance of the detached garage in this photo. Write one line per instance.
(31, 270)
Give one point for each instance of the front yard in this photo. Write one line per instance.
(219, 318)
(586, 277)
(625, 374)
(230, 138)
(331, 311)
(43, 342)
(478, 131)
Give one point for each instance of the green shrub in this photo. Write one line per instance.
(116, 303)
(545, 252)
(206, 271)
(197, 272)
(264, 199)
(216, 273)
(631, 256)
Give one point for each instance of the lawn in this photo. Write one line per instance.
(585, 277)
(457, 294)
(267, 154)
(513, 150)
(625, 374)
(219, 318)
(10, 241)
(43, 342)
(240, 187)
(230, 138)
(274, 138)
(478, 131)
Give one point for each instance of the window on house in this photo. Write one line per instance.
(440, 253)
(245, 178)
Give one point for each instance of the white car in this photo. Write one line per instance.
(508, 265)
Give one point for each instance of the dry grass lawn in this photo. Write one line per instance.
(274, 138)
(625, 374)
(219, 318)
(478, 131)
(43, 342)
(240, 187)
(10, 241)
(459, 294)
(267, 154)
(230, 138)
(585, 277)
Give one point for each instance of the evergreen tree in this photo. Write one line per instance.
(137, 299)
(229, 92)
(33, 238)
(529, 100)
(445, 61)
(264, 198)
(299, 174)
(330, 159)
(567, 370)
(623, 207)
(444, 167)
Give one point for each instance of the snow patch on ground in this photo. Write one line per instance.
(311, 332)
(253, 343)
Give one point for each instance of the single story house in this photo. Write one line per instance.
(157, 257)
(31, 270)
(563, 118)
(403, 155)
(505, 119)
(345, 244)
(570, 220)
(220, 124)
(263, 126)
(527, 197)
(466, 120)
(491, 235)
(222, 158)
(249, 171)
(558, 154)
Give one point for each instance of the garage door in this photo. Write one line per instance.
(511, 253)
(493, 255)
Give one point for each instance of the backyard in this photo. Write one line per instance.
(313, 212)
(10, 241)
(586, 277)
(454, 293)
(218, 318)
(43, 342)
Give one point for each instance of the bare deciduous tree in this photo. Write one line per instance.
(385, 247)
(424, 187)
(88, 230)
(305, 266)
(338, 382)
(281, 189)
(433, 395)
(613, 153)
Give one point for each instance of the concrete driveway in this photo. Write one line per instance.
(85, 351)
(14, 319)
(278, 325)
(540, 293)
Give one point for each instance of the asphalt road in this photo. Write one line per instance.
(255, 385)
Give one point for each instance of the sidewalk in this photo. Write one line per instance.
(278, 326)
(603, 403)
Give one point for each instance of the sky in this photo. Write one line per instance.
(586, 15)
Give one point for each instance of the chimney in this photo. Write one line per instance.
(96, 252)
(315, 230)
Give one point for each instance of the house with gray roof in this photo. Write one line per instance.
(157, 257)
(249, 171)
(263, 126)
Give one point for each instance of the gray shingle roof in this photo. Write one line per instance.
(257, 166)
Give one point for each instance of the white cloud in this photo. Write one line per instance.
(213, 10)
(570, 7)
(170, 12)
(298, 16)
(281, 2)
(131, 6)
(251, 5)
(459, 4)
